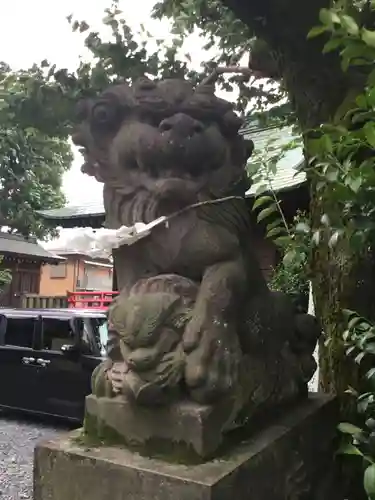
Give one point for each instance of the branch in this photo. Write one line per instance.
(212, 78)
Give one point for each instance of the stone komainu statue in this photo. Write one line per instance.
(195, 319)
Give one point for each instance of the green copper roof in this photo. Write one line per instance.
(14, 244)
(93, 209)
(286, 175)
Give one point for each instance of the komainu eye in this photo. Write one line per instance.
(104, 114)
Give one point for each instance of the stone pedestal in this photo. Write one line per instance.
(183, 429)
(290, 460)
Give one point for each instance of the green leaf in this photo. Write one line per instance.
(347, 428)
(275, 232)
(350, 349)
(361, 101)
(369, 481)
(345, 62)
(370, 348)
(75, 26)
(302, 227)
(316, 31)
(331, 45)
(348, 313)
(83, 27)
(355, 184)
(349, 24)
(327, 143)
(362, 117)
(282, 241)
(349, 449)
(316, 238)
(332, 174)
(368, 37)
(325, 220)
(358, 359)
(289, 257)
(354, 321)
(369, 131)
(261, 200)
(266, 212)
(351, 391)
(275, 223)
(334, 239)
(315, 147)
(328, 17)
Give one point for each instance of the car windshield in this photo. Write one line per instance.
(100, 326)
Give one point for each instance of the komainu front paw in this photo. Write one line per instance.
(212, 368)
(100, 384)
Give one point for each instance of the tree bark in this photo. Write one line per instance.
(313, 80)
(317, 87)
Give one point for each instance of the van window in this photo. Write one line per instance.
(56, 333)
(102, 336)
(93, 335)
(20, 332)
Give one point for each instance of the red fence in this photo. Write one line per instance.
(95, 300)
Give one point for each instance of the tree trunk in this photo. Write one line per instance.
(316, 86)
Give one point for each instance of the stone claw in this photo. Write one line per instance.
(211, 369)
(192, 336)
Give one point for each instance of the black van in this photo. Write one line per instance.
(47, 357)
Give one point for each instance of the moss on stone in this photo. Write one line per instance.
(97, 433)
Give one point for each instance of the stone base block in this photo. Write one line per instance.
(185, 429)
(291, 460)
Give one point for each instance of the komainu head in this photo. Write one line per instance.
(144, 134)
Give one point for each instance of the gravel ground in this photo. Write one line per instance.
(18, 437)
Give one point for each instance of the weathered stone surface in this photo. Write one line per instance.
(195, 319)
(181, 427)
(291, 460)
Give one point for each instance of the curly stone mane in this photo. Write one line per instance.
(159, 146)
